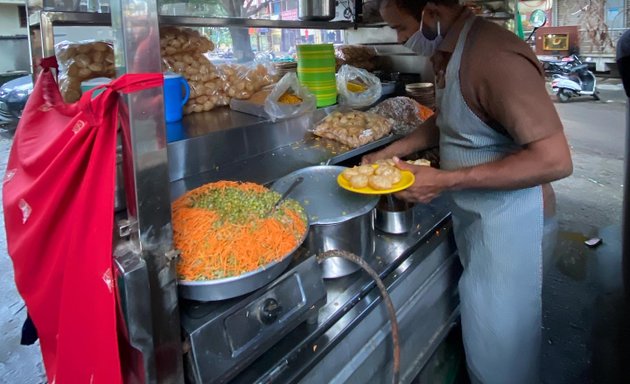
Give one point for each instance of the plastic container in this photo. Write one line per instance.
(316, 70)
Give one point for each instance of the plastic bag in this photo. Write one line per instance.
(407, 113)
(80, 61)
(359, 56)
(353, 128)
(175, 40)
(357, 87)
(289, 98)
(241, 81)
(204, 79)
(183, 52)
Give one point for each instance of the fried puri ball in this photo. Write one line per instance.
(422, 162)
(389, 162)
(390, 172)
(365, 170)
(359, 181)
(349, 173)
(380, 182)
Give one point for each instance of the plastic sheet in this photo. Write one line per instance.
(406, 112)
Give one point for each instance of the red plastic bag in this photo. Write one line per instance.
(58, 197)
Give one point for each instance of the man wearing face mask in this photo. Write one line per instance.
(501, 142)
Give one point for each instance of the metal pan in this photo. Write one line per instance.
(230, 287)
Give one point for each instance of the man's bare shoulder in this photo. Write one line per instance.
(492, 37)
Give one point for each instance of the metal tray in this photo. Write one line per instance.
(230, 287)
(342, 153)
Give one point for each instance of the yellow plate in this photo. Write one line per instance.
(406, 180)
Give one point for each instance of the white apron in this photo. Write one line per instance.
(499, 236)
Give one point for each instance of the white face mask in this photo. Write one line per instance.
(420, 44)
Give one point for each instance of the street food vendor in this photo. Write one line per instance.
(501, 142)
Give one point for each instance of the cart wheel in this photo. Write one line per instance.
(563, 96)
(596, 96)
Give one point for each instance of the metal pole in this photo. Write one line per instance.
(135, 25)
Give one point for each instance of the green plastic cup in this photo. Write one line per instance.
(315, 48)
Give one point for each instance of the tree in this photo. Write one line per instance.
(241, 44)
(593, 18)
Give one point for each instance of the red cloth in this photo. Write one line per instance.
(58, 197)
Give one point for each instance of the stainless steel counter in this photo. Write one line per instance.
(227, 145)
(351, 341)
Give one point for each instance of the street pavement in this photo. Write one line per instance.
(583, 326)
(18, 364)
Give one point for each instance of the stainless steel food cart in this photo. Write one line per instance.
(299, 328)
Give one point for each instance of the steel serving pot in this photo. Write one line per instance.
(393, 216)
(316, 10)
(339, 219)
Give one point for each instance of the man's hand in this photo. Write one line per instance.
(429, 183)
(424, 136)
(385, 153)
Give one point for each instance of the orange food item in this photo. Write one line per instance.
(220, 238)
(424, 112)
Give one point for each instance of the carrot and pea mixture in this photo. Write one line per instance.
(224, 229)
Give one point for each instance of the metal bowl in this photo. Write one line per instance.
(340, 220)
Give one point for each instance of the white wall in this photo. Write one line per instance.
(10, 21)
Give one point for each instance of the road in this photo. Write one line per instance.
(583, 327)
(18, 364)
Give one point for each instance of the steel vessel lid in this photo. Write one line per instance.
(323, 199)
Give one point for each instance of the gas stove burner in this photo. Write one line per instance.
(225, 337)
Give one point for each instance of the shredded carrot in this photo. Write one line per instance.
(220, 236)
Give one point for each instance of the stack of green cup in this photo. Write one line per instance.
(316, 70)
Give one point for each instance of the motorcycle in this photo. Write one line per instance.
(576, 81)
(560, 67)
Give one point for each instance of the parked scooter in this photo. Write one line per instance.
(560, 67)
(577, 81)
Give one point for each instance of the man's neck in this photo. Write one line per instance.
(448, 15)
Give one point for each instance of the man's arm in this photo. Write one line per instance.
(424, 136)
(537, 163)
(540, 162)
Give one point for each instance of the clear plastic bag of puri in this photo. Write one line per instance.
(81, 61)
(353, 128)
